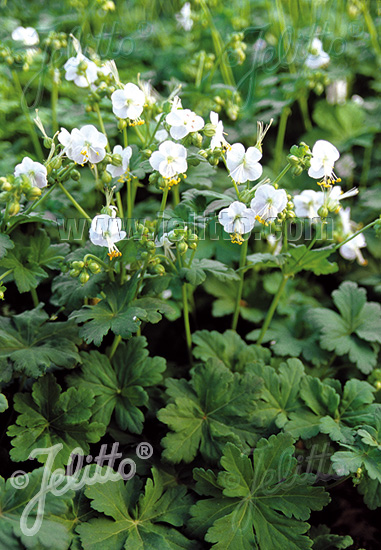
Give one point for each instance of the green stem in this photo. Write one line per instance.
(357, 233)
(98, 260)
(188, 334)
(74, 202)
(140, 135)
(125, 137)
(5, 274)
(283, 172)
(176, 194)
(119, 203)
(242, 263)
(31, 127)
(280, 137)
(218, 44)
(101, 124)
(155, 130)
(371, 28)
(35, 299)
(129, 200)
(40, 200)
(54, 102)
(162, 208)
(114, 346)
(272, 309)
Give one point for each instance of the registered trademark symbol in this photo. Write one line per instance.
(144, 450)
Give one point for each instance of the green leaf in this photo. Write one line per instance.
(229, 349)
(214, 407)
(50, 416)
(309, 260)
(268, 260)
(349, 333)
(3, 403)
(371, 490)
(5, 244)
(261, 502)
(120, 387)
(112, 313)
(324, 540)
(43, 253)
(280, 393)
(197, 273)
(52, 534)
(336, 413)
(135, 520)
(34, 344)
(27, 275)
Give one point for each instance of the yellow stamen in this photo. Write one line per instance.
(114, 254)
(236, 238)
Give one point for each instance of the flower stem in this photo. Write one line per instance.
(357, 233)
(280, 137)
(74, 202)
(98, 260)
(5, 274)
(162, 208)
(31, 127)
(188, 334)
(283, 172)
(54, 101)
(272, 309)
(176, 195)
(114, 346)
(101, 124)
(35, 299)
(242, 263)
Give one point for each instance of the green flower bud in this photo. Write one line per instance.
(159, 269)
(6, 186)
(122, 124)
(106, 177)
(197, 139)
(75, 175)
(48, 142)
(323, 211)
(116, 160)
(56, 163)
(78, 265)
(209, 129)
(33, 193)
(84, 277)
(14, 208)
(94, 267)
(74, 273)
(182, 247)
(150, 245)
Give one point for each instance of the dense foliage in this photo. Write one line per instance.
(190, 274)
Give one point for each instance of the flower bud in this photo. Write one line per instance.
(159, 269)
(209, 129)
(74, 273)
(182, 247)
(78, 265)
(197, 139)
(6, 186)
(94, 267)
(116, 160)
(33, 193)
(56, 163)
(75, 175)
(84, 277)
(14, 208)
(323, 211)
(106, 177)
(48, 142)
(122, 124)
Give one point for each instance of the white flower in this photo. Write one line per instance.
(86, 144)
(106, 231)
(81, 70)
(126, 154)
(218, 139)
(237, 220)
(170, 159)
(336, 195)
(243, 165)
(324, 156)
(337, 92)
(35, 171)
(317, 57)
(351, 249)
(161, 134)
(166, 244)
(176, 103)
(28, 36)
(183, 122)
(184, 18)
(268, 202)
(308, 203)
(129, 102)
